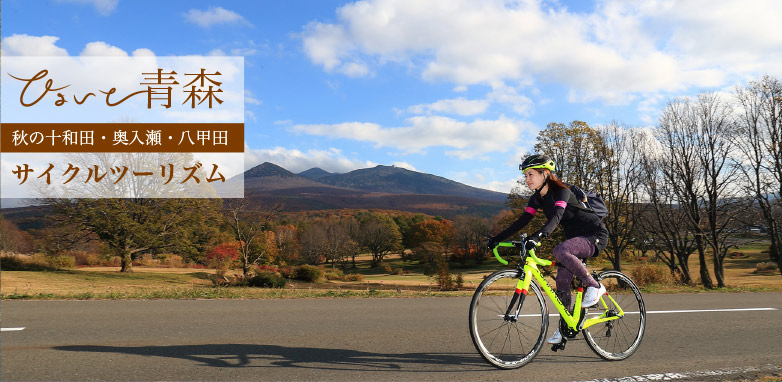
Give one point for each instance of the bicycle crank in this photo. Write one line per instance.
(559, 346)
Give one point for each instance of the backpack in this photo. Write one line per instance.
(591, 201)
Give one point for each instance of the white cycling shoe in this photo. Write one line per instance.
(555, 338)
(592, 296)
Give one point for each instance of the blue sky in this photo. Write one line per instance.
(456, 88)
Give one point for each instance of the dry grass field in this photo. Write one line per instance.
(150, 282)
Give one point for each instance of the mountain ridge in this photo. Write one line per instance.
(379, 187)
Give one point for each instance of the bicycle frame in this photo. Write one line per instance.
(530, 270)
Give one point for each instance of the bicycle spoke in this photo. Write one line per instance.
(506, 343)
(617, 339)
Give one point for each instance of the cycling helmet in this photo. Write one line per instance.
(537, 161)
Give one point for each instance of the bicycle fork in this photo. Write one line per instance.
(517, 301)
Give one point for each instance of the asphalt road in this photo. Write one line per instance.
(396, 339)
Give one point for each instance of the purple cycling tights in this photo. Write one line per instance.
(569, 254)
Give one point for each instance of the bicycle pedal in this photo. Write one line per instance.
(559, 346)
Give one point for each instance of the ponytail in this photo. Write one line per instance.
(553, 180)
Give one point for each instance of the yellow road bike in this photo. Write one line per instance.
(509, 317)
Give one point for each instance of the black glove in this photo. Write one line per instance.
(492, 243)
(532, 242)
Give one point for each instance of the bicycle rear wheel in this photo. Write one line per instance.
(507, 342)
(617, 339)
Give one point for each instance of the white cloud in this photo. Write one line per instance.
(331, 160)
(249, 114)
(468, 139)
(100, 48)
(404, 165)
(244, 52)
(214, 16)
(250, 98)
(143, 52)
(103, 7)
(649, 108)
(504, 94)
(326, 44)
(354, 69)
(459, 106)
(620, 49)
(479, 179)
(24, 45)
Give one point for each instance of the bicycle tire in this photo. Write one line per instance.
(507, 344)
(617, 339)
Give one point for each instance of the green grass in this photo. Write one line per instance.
(230, 293)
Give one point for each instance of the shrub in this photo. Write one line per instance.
(114, 261)
(266, 279)
(353, 277)
(171, 260)
(61, 261)
(145, 260)
(393, 271)
(334, 274)
(445, 279)
(308, 273)
(288, 272)
(81, 257)
(223, 256)
(766, 267)
(647, 274)
(459, 280)
(267, 268)
(13, 262)
(92, 260)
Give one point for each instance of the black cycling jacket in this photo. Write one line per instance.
(561, 207)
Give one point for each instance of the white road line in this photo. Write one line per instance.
(10, 329)
(672, 376)
(671, 311)
(709, 310)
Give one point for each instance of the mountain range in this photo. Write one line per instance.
(380, 187)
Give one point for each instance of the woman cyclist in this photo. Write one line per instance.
(585, 234)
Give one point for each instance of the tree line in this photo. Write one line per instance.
(206, 230)
(709, 168)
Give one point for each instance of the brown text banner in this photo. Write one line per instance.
(121, 137)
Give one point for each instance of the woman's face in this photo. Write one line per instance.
(534, 178)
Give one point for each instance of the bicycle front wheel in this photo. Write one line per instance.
(507, 341)
(617, 339)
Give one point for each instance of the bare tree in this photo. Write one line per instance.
(617, 181)
(470, 234)
(759, 140)
(677, 132)
(248, 221)
(698, 135)
(286, 237)
(663, 226)
(715, 152)
(339, 245)
(313, 244)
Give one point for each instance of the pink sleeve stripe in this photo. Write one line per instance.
(531, 211)
(560, 203)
